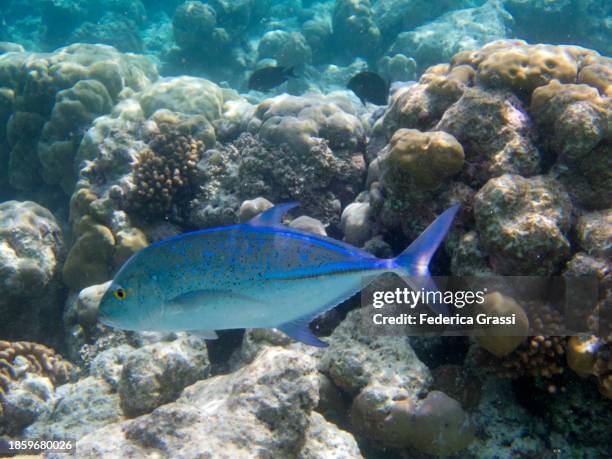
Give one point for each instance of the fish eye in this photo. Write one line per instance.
(120, 293)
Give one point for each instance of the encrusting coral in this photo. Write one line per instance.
(164, 174)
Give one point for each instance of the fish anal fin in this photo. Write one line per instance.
(299, 331)
(206, 334)
(273, 216)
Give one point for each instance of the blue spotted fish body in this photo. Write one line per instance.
(260, 274)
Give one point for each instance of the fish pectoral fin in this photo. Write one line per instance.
(273, 216)
(206, 334)
(298, 330)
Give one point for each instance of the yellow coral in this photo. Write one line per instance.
(426, 157)
(89, 260)
(597, 72)
(520, 67)
(581, 354)
(501, 341)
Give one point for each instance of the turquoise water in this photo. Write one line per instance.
(124, 123)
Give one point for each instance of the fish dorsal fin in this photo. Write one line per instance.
(299, 331)
(273, 216)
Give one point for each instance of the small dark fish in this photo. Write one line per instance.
(269, 77)
(369, 87)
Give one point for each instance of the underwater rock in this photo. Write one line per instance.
(572, 118)
(252, 207)
(186, 95)
(31, 254)
(356, 223)
(156, 374)
(193, 25)
(596, 71)
(24, 403)
(392, 16)
(397, 67)
(65, 91)
(78, 408)
(289, 49)
(308, 224)
(318, 34)
(325, 440)
(544, 21)
(468, 257)
(512, 150)
(594, 232)
(455, 31)
(268, 403)
(114, 30)
(354, 29)
(87, 303)
(420, 106)
(523, 224)
(8, 47)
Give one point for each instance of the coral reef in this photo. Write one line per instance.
(279, 389)
(517, 132)
(29, 372)
(296, 148)
(65, 91)
(21, 357)
(354, 28)
(156, 374)
(455, 31)
(523, 224)
(498, 341)
(120, 157)
(423, 159)
(164, 173)
(31, 256)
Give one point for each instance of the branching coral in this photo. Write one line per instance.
(40, 360)
(539, 356)
(164, 174)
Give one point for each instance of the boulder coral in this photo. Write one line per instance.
(426, 159)
(31, 256)
(53, 98)
(354, 28)
(501, 341)
(289, 49)
(123, 157)
(524, 224)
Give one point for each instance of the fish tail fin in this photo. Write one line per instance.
(413, 263)
(289, 71)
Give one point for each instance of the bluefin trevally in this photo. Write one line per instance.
(260, 274)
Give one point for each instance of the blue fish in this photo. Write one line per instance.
(259, 274)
